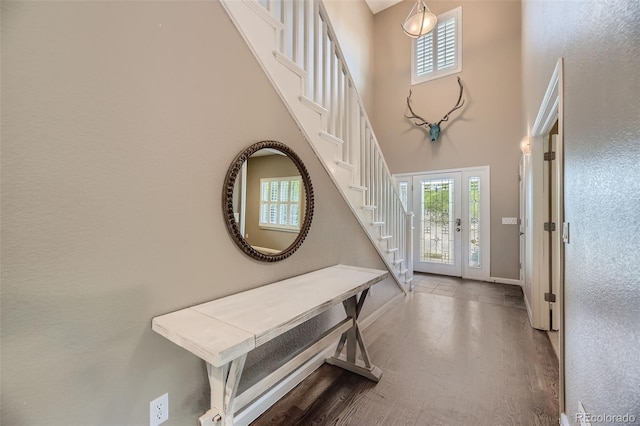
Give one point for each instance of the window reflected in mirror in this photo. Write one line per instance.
(269, 201)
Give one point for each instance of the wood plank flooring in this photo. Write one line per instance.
(453, 352)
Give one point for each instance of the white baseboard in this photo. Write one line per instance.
(505, 281)
(526, 303)
(380, 311)
(253, 410)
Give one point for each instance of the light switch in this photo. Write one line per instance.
(509, 220)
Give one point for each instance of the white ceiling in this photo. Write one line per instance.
(378, 5)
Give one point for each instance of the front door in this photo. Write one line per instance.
(438, 223)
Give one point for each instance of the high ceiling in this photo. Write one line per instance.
(378, 5)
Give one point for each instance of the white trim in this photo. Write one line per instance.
(549, 105)
(254, 409)
(528, 306)
(458, 169)
(505, 281)
(564, 420)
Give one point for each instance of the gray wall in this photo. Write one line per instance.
(600, 45)
(119, 122)
(486, 131)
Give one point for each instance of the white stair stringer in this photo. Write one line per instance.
(263, 34)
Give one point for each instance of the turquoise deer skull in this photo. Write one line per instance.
(434, 128)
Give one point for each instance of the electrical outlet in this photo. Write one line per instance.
(159, 410)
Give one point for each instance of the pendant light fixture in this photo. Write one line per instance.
(419, 21)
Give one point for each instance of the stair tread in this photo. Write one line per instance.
(392, 250)
(358, 188)
(281, 57)
(377, 223)
(313, 105)
(369, 207)
(386, 237)
(345, 165)
(329, 137)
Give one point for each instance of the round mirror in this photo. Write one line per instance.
(268, 201)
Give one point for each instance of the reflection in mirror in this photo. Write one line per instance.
(268, 201)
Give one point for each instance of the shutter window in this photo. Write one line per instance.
(280, 203)
(437, 53)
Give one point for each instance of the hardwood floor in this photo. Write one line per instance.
(453, 352)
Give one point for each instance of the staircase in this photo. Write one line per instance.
(296, 46)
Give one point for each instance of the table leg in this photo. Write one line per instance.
(354, 341)
(224, 386)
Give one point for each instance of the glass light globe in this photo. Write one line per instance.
(419, 24)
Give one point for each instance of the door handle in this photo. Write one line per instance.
(458, 222)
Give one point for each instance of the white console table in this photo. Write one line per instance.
(223, 331)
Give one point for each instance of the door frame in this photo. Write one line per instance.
(551, 110)
(483, 273)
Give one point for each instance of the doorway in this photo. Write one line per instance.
(545, 233)
(451, 225)
(438, 228)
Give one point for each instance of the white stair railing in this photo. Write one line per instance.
(305, 43)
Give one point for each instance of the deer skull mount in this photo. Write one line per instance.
(434, 128)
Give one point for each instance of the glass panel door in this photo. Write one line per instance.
(438, 221)
(452, 221)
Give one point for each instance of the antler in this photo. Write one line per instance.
(414, 115)
(457, 106)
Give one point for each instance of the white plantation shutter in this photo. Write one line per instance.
(438, 53)
(446, 43)
(424, 54)
(280, 203)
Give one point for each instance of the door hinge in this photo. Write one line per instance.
(549, 156)
(549, 226)
(550, 297)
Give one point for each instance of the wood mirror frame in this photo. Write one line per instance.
(227, 201)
